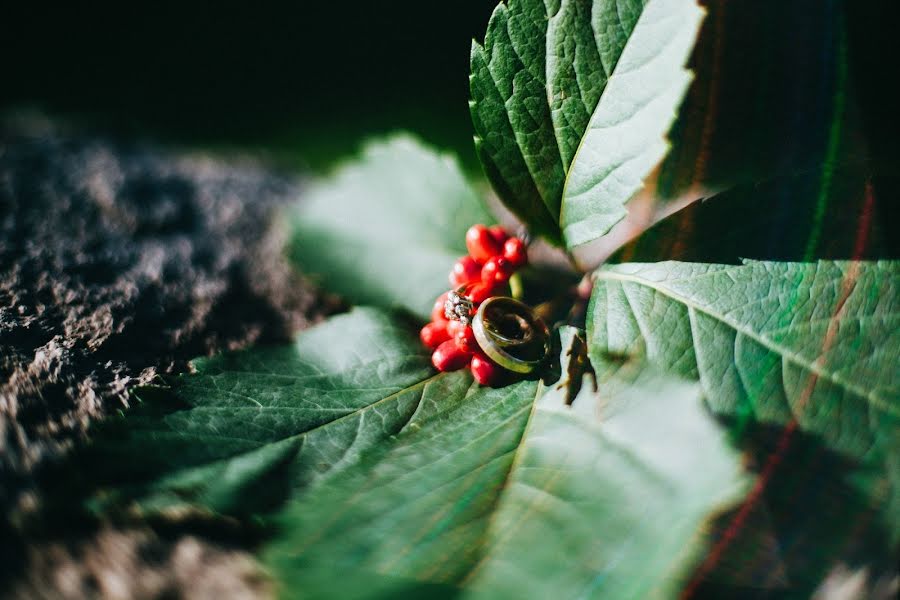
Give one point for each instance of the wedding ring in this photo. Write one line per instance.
(511, 334)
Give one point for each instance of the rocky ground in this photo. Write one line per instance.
(119, 263)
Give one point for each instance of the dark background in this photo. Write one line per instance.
(303, 82)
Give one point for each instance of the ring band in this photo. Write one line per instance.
(498, 345)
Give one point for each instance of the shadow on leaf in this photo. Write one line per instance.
(803, 516)
(813, 216)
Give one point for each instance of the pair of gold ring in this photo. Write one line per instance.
(511, 334)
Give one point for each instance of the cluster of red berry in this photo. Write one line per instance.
(494, 256)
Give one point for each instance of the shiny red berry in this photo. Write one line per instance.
(496, 270)
(481, 244)
(450, 357)
(437, 312)
(465, 271)
(465, 339)
(480, 292)
(434, 334)
(454, 328)
(499, 234)
(485, 371)
(514, 251)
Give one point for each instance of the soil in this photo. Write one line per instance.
(119, 263)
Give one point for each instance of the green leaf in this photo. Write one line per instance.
(385, 230)
(249, 428)
(807, 345)
(583, 500)
(571, 101)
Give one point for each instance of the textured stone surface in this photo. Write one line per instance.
(119, 263)
(123, 564)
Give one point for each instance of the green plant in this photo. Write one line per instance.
(618, 474)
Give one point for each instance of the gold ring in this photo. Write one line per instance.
(511, 334)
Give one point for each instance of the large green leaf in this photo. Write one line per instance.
(584, 500)
(571, 100)
(249, 428)
(807, 345)
(384, 230)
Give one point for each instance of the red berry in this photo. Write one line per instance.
(499, 234)
(481, 243)
(454, 328)
(496, 270)
(485, 371)
(437, 313)
(465, 339)
(585, 287)
(434, 334)
(480, 292)
(514, 251)
(449, 357)
(465, 271)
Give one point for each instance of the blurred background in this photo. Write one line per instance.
(300, 81)
(300, 84)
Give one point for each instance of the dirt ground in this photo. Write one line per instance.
(120, 262)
